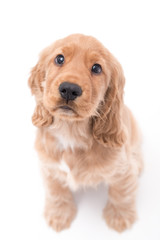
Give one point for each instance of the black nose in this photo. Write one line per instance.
(70, 91)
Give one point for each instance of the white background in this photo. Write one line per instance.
(131, 31)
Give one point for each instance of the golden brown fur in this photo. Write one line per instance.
(98, 141)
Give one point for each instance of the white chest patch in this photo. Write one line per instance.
(65, 141)
(70, 135)
(70, 182)
(63, 167)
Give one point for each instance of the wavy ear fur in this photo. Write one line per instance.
(108, 128)
(35, 80)
(41, 117)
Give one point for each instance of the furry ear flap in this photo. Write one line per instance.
(41, 116)
(108, 127)
(35, 80)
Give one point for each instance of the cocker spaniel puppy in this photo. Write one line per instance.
(86, 135)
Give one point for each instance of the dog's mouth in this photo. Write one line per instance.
(66, 108)
(66, 111)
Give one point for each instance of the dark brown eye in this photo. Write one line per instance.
(96, 68)
(59, 60)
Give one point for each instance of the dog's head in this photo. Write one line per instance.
(78, 78)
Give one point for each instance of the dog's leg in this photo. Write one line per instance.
(120, 211)
(60, 209)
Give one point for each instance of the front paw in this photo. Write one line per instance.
(60, 217)
(119, 218)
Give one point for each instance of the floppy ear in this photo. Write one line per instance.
(108, 127)
(41, 117)
(35, 80)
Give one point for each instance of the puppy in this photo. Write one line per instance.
(86, 135)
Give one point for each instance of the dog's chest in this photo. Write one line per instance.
(68, 177)
(78, 177)
(73, 168)
(66, 144)
(71, 136)
(65, 141)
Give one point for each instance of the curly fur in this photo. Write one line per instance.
(98, 141)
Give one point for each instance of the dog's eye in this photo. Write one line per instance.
(59, 60)
(96, 68)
